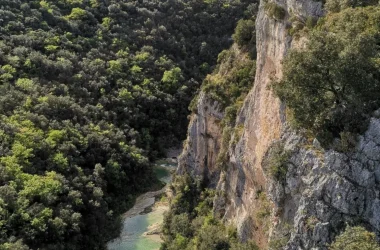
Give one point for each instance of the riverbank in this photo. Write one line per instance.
(142, 223)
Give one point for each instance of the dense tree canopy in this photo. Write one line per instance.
(90, 92)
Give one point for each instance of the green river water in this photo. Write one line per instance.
(132, 235)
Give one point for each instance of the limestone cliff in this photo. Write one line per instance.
(322, 189)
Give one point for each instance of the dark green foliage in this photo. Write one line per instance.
(297, 25)
(347, 142)
(274, 10)
(245, 36)
(226, 89)
(91, 91)
(194, 227)
(277, 161)
(333, 84)
(355, 238)
(244, 33)
(339, 5)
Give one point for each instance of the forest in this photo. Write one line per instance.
(92, 92)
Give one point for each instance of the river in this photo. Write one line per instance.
(141, 224)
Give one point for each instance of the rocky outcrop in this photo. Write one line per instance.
(264, 121)
(325, 189)
(204, 139)
(321, 191)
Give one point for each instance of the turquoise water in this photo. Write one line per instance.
(131, 237)
(163, 172)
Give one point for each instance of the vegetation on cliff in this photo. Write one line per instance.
(231, 81)
(190, 223)
(90, 92)
(331, 86)
(355, 238)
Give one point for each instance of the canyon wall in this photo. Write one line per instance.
(322, 189)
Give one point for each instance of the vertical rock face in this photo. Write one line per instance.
(321, 191)
(263, 117)
(203, 143)
(325, 189)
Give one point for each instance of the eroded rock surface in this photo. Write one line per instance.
(321, 191)
(324, 190)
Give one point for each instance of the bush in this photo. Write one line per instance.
(265, 209)
(244, 33)
(193, 106)
(355, 238)
(277, 161)
(275, 11)
(347, 142)
(180, 224)
(227, 88)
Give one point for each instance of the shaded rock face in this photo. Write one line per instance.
(321, 191)
(203, 143)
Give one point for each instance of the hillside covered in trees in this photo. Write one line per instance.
(91, 92)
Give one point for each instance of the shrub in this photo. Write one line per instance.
(278, 243)
(223, 156)
(264, 211)
(274, 10)
(195, 227)
(193, 106)
(347, 142)
(281, 236)
(277, 162)
(355, 238)
(311, 22)
(180, 224)
(226, 89)
(244, 32)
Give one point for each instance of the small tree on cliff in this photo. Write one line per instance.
(332, 84)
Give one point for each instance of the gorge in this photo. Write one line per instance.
(279, 98)
(322, 189)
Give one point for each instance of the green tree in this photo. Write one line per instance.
(333, 83)
(77, 14)
(171, 78)
(245, 33)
